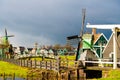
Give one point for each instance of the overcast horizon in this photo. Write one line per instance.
(49, 22)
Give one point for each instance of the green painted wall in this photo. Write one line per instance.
(87, 41)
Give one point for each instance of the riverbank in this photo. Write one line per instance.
(8, 68)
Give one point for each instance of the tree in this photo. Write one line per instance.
(68, 47)
(57, 46)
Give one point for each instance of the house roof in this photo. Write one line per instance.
(97, 36)
(108, 51)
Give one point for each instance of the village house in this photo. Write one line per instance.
(108, 51)
(93, 45)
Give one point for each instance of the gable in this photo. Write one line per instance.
(109, 48)
(95, 37)
(101, 40)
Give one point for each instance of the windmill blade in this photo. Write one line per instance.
(81, 34)
(10, 35)
(72, 37)
(83, 21)
(6, 34)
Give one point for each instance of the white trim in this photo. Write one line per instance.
(105, 37)
(110, 26)
(103, 62)
(100, 36)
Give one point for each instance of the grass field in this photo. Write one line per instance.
(8, 68)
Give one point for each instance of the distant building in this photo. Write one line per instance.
(19, 49)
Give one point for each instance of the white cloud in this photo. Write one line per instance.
(26, 40)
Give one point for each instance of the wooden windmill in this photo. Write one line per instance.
(79, 37)
(4, 42)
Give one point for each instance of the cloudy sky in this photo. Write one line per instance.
(51, 21)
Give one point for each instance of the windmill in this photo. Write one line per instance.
(4, 40)
(4, 43)
(114, 28)
(79, 37)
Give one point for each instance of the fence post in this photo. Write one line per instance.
(27, 63)
(24, 63)
(43, 75)
(30, 63)
(47, 76)
(57, 76)
(46, 64)
(69, 74)
(58, 64)
(16, 62)
(78, 76)
(20, 62)
(50, 65)
(40, 64)
(35, 63)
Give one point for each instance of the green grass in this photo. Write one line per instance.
(67, 57)
(70, 59)
(112, 75)
(8, 68)
(62, 57)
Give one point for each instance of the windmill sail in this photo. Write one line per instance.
(81, 34)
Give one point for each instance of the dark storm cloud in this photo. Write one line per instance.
(51, 21)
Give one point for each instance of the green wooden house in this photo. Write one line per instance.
(94, 42)
(99, 44)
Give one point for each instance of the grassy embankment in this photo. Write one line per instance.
(8, 68)
(110, 75)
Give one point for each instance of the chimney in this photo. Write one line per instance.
(93, 30)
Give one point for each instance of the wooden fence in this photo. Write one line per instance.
(56, 65)
(50, 65)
